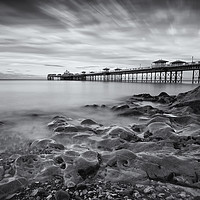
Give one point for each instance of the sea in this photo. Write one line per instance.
(27, 106)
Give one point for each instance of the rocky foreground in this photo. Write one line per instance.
(158, 158)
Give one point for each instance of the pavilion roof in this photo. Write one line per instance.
(106, 69)
(178, 62)
(160, 61)
(118, 69)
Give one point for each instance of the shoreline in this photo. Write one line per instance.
(156, 158)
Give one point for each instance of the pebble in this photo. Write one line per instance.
(49, 197)
(182, 194)
(161, 195)
(148, 190)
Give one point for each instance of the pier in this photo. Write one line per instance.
(159, 72)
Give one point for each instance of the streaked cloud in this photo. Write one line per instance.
(40, 37)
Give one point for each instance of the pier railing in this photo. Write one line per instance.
(169, 73)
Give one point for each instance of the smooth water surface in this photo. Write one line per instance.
(62, 95)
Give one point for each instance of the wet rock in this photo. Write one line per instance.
(62, 195)
(48, 172)
(66, 128)
(81, 138)
(159, 130)
(42, 145)
(28, 166)
(160, 118)
(11, 186)
(92, 106)
(142, 110)
(194, 106)
(131, 112)
(180, 170)
(143, 97)
(138, 127)
(80, 167)
(122, 166)
(120, 107)
(189, 99)
(57, 121)
(88, 122)
(108, 144)
(2, 172)
(122, 133)
(163, 94)
(190, 95)
(64, 138)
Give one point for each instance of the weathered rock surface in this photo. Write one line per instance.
(155, 158)
(175, 169)
(11, 186)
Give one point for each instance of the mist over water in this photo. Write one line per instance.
(60, 96)
(27, 106)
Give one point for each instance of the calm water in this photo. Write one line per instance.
(62, 95)
(21, 100)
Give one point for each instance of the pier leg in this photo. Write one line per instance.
(199, 77)
(147, 77)
(175, 76)
(170, 78)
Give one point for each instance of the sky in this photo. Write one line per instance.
(38, 37)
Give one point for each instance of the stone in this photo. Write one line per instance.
(41, 145)
(140, 110)
(123, 133)
(159, 130)
(180, 170)
(7, 188)
(2, 172)
(62, 195)
(28, 166)
(148, 190)
(80, 167)
(120, 107)
(57, 121)
(48, 172)
(66, 128)
(88, 122)
(64, 138)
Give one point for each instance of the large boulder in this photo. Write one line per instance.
(64, 138)
(123, 133)
(180, 170)
(188, 96)
(57, 121)
(88, 122)
(80, 167)
(159, 130)
(120, 107)
(66, 128)
(141, 110)
(10, 187)
(121, 166)
(189, 99)
(28, 166)
(45, 145)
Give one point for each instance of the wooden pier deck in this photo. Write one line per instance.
(155, 74)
